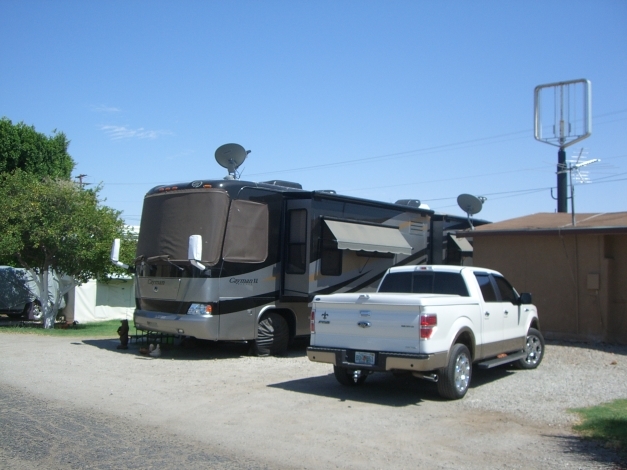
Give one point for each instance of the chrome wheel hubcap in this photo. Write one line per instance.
(533, 348)
(462, 372)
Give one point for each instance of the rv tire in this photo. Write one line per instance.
(273, 335)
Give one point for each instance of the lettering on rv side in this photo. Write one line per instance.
(234, 280)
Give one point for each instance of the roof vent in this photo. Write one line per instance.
(408, 202)
(285, 184)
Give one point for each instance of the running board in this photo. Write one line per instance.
(502, 360)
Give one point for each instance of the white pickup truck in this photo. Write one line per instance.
(434, 321)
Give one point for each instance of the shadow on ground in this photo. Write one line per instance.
(384, 388)
(190, 348)
(591, 450)
(379, 389)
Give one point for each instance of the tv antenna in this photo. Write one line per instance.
(576, 165)
(231, 156)
(471, 205)
(569, 104)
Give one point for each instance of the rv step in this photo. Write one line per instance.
(501, 360)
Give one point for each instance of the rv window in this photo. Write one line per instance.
(168, 219)
(297, 242)
(246, 237)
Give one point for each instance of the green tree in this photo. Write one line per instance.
(21, 147)
(53, 225)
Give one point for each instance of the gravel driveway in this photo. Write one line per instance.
(69, 403)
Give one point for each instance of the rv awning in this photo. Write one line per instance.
(463, 245)
(359, 237)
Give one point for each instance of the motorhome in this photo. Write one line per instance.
(232, 260)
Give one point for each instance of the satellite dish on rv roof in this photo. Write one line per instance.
(231, 156)
(470, 204)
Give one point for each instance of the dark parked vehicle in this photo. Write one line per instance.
(19, 292)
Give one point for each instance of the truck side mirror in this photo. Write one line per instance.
(194, 251)
(525, 298)
(115, 254)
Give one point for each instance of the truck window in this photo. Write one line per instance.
(396, 282)
(508, 294)
(439, 283)
(449, 283)
(425, 283)
(487, 291)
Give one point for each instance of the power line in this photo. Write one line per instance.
(426, 150)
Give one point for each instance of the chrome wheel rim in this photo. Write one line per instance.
(37, 312)
(462, 372)
(533, 350)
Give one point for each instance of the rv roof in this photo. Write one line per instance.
(234, 186)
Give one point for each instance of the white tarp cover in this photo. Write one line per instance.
(360, 237)
(18, 288)
(98, 301)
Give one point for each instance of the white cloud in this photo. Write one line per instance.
(105, 109)
(123, 132)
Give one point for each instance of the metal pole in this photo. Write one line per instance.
(572, 196)
(562, 182)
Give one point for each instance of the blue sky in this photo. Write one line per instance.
(385, 100)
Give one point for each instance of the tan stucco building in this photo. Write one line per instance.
(576, 273)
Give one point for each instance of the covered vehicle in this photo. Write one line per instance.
(19, 293)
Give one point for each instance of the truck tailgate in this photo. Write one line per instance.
(370, 322)
(379, 321)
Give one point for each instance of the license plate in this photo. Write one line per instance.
(364, 358)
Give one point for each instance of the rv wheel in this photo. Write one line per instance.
(273, 335)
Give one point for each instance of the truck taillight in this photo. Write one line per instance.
(312, 322)
(428, 323)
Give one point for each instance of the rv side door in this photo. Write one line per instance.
(296, 256)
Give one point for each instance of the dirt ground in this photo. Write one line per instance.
(213, 401)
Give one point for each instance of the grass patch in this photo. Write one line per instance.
(108, 329)
(606, 422)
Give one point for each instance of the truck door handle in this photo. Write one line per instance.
(506, 312)
(364, 324)
(487, 314)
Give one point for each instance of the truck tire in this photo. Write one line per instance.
(349, 377)
(454, 379)
(534, 349)
(273, 335)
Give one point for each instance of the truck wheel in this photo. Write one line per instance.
(454, 379)
(534, 350)
(349, 377)
(273, 335)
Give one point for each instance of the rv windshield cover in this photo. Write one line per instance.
(168, 219)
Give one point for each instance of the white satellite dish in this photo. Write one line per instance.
(231, 156)
(470, 204)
